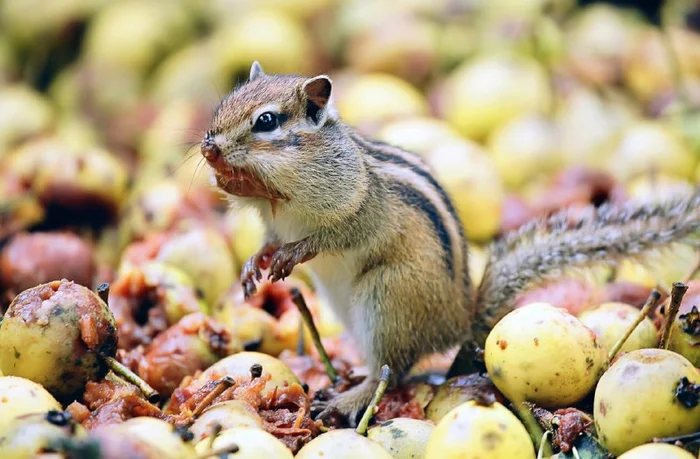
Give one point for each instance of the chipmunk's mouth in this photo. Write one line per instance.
(241, 181)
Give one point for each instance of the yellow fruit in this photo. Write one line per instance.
(23, 113)
(158, 434)
(342, 444)
(487, 92)
(610, 322)
(238, 365)
(22, 396)
(684, 339)
(28, 436)
(544, 355)
(247, 232)
(648, 147)
(475, 431)
(377, 98)
(284, 47)
(656, 451)
(472, 181)
(636, 401)
(403, 437)
(229, 414)
(524, 149)
(252, 444)
(134, 35)
(418, 134)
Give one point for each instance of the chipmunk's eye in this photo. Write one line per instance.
(266, 122)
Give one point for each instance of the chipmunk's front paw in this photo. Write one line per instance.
(286, 258)
(251, 271)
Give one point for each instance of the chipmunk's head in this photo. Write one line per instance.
(263, 130)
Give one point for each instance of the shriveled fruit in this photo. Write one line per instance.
(642, 396)
(251, 444)
(229, 414)
(458, 390)
(656, 451)
(342, 444)
(473, 431)
(403, 437)
(29, 435)
(545, 355)
(610, 321)
(20, 396)
(238, 365)
(54, 333)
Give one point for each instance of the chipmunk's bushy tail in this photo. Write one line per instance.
(545, 249)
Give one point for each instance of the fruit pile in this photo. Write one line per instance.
(124, 330)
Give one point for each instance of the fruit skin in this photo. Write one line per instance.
(159, 435)
(456, 391)
(474, 431)
(252, 444)
(22, 396)
(342, 444)
(403, 437)
(635, 400)
(24, 112)
(545, 355)
(238, 365)
(229, 414)
(656, 451)
(610, 321)
(27, 436)
(684, 339)
(489, 91)
(52, 334)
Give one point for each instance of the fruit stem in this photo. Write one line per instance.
(103, 292)
(677, 292)
(301, 344)
(688, 438)
(223, 384)
(533, 427)
(543, 442)
(224, 451)
(123, 372)
(378, 394)
(300, 303)
(651, 302)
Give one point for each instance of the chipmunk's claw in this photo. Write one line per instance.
(284, 260)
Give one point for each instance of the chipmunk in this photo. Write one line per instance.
(380, 234)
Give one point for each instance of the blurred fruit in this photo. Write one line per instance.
(656, 451)
(250, 443)
(472, 181)
(247, 233)
(598, 40)
(30, 435)
(658, 187)
(370, 100)
(524, 149)
(203, 254)
(24, 113)
(21, 396)
(402, 437)
(544, 355)
(159, 435)
(342, 444)
(417, 134)
(86, 184)
(284, 47)
(472, 431)
(223, 9)
(639, 399)
(660, 269)
(478, 259)
(602, 118)
(238, 365)
(651, 147)
(610, 322)
(133, 35)
(55, 335)
(489, 91)
(404, 46)
(29, 259)
(230, 414)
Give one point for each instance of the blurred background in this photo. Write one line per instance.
(521, 106)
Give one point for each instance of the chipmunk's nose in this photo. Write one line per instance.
(210, 151)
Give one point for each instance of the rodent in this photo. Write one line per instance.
(382, 237)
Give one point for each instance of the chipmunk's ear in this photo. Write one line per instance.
(318, 93)
(256, 71)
